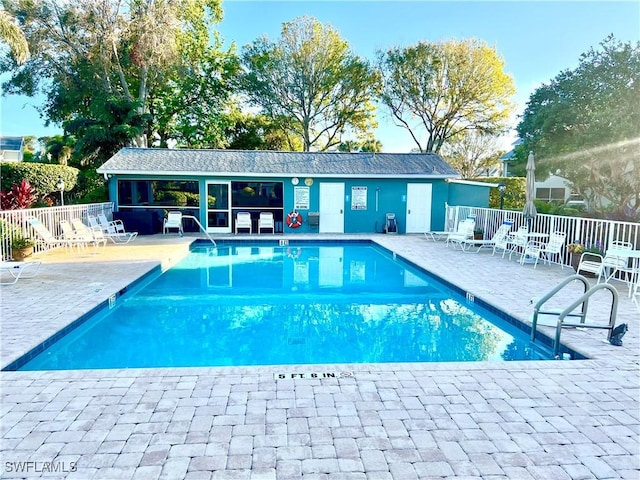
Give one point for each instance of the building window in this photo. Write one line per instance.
(258, 195)
(549, 195)
(158, 193)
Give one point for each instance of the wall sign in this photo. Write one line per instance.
(358, 198)
(301, 198)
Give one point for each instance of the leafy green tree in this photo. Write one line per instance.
(246, 131)
(473, 154)
(311, 77)
(584, 126)
(11, 33)
(364, 146)
(93, 55)
(439, 90)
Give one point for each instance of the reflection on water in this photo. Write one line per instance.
(262, 305)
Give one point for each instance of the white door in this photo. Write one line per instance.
(331, 208)
(418, 207)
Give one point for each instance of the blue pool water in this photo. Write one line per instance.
(250, 304)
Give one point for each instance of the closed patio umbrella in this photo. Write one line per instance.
(530, 211)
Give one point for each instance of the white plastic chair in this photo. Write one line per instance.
(113, 230)
(499, 238)
(47, 238)
(519, 240)
(93, 236)
(618, 263)
(173, 220)
(463, 232)
(76, 239)
(243, 222)
(553, 247)
(265, 221)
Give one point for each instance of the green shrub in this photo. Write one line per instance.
(43, 177)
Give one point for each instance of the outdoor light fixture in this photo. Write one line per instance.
(502, 187)
(60, 186)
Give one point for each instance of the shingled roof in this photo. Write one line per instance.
(159, 161)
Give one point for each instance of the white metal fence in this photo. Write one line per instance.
(586, 231)
(13, 223)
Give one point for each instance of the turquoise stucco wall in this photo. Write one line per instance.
(468, 195)
(391, 198)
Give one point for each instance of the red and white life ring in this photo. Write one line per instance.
(294, 220)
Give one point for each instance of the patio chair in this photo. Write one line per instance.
(518, 241)
(18, 270)
(599, 264)
(82, 238)
(173, 220)
(614, 263)
(553, 248)
(462, 233)
(243, 222)
(265, 221)
(498, 238)
(113, 230)
(47, 238)
(93, 236)
(532, 250)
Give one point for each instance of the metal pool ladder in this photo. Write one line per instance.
(583, 301)
(201, 228)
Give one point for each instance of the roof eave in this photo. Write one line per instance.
(107, 171)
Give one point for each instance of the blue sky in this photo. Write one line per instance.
(536, 39)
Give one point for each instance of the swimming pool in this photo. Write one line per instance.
(307, 303)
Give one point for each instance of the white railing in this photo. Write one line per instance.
(14, 222)
(586, 231)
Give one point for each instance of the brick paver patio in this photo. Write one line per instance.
(538, 420)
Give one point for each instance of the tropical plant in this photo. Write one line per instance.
(20, 196)
(19, 242)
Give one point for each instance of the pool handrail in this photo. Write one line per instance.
(542, 300)
(201, 228)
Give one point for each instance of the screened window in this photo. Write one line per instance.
(256, 194)
(161, 193)
(550, 194)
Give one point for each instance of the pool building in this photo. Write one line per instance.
(327, 192)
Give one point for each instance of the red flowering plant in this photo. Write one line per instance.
(19, 197)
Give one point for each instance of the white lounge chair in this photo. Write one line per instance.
(173, 220)
(18, 270)
(82, 238)
(243, 222)
(48, 239)
(113, 230)
(498, 238)
(463, 232)
(265, 221)
(93, 236)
